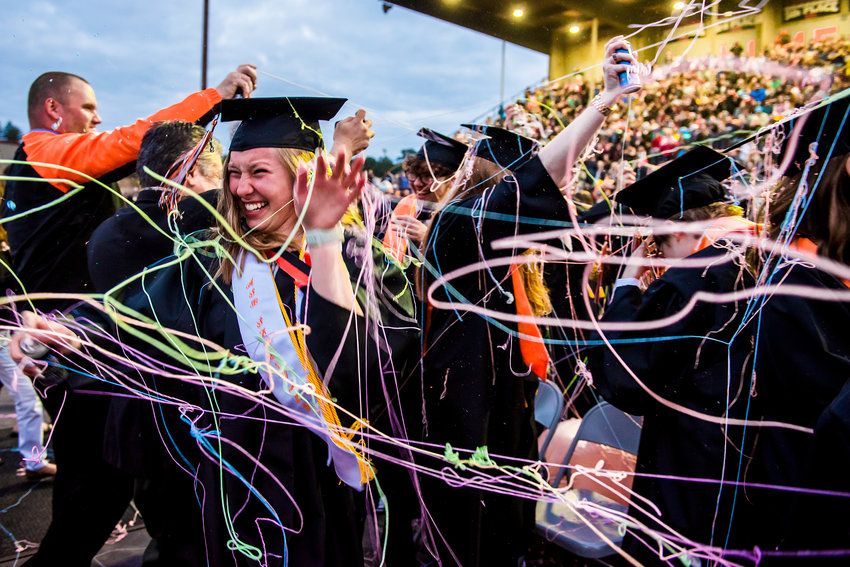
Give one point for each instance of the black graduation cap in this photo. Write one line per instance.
(279, 122)
(503, 147)
(601, 210)
(441, 149)
(828, 124)
(692, 180)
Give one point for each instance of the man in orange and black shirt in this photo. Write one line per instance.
(53, 202)
(64, 154)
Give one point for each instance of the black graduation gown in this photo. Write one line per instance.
(373, 359)
(121, 247)
(390, 399)
(243, 493)
(700, 362)
(142, 437)
(127, 242)
(802, 369)
(478, 391)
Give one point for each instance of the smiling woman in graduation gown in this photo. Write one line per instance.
(276, 469)
(278, 478)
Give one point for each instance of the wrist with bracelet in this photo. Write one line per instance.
(600, 106)
(315, 237)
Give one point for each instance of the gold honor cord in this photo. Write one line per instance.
(329, 413)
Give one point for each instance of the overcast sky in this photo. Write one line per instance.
(407, 69)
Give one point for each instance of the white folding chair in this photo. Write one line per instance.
(558, 522)
(548, 407)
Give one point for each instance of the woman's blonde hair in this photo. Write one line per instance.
(231, 212)
(534, 281)
(485, 174)
(477, 175)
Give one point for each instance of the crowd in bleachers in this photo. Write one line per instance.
(713, 100)
(707, 100)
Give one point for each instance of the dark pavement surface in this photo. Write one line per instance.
(25, 509)
(25, 515)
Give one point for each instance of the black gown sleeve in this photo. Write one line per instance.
(802, 370)
(650, 353)
(685, 361)
(183, 298)
(826, 468)
(522, 203)
(155, 298)
(362, 358)
(625, 302)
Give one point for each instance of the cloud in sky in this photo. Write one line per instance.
(407, 69)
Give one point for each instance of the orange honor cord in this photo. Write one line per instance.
(723, 226)
(808, 248)
(533, 350)
(395, 243)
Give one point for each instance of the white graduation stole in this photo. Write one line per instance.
(294, 382)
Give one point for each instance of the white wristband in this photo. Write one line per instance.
(319, 237)
(622, 282)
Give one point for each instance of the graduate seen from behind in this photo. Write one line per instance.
(803, 348)
(688, 376)
(478, 384)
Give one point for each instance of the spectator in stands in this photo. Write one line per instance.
(737, 49)
(720, 107)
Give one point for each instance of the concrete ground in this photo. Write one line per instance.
(25, 509)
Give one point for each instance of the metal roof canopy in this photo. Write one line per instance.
(540, 17)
